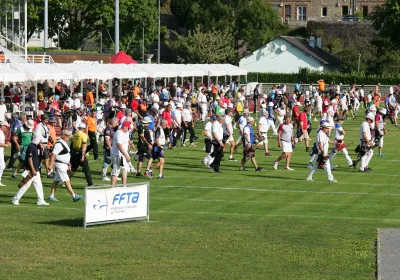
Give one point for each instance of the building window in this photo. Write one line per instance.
(301, 13)
(324, 11)
(288, 13)
(345, 10)
(365, 11)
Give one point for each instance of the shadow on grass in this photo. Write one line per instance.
(66, 223)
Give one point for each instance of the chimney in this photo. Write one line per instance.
(148, 58)
(312, 41)
(319, 42)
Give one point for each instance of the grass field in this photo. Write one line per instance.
(231, 225)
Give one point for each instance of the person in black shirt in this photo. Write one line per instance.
(144, 145)
(32, 162)
(108, 133)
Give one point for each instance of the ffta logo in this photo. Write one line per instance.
(128, 198)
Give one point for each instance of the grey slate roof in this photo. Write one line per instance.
(315, 52)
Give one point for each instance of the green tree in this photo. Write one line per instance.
(386, 21)
(254, 22)
(78, 22)
(212, 46)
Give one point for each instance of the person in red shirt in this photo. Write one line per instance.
(166, 115)
(302, 125)
(121, 112)
(296, 112)
(135, 104)
(325, 105)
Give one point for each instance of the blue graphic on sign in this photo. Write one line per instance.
(126, 198)
(98, 205)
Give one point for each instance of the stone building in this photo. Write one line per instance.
(298, 12)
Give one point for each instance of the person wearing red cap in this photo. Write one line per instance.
(120, 158)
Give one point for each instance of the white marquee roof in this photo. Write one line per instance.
(8, 75)
(77, 71)
(124, 71)
(40, 72)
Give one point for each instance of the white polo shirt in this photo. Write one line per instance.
(122, 138)
(365, 129)
(322, 138)
(218, 130)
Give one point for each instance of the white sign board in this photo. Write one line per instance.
(119, 204)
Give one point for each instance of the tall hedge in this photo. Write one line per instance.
(305, 76)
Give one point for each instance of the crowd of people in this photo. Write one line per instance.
(141, 125)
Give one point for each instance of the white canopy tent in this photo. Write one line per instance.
(157, 70)
(124, 71)
(8, 75)
(39, 72)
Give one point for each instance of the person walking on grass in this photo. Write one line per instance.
(285, 142)
(228, 129)
(248, 142)
(3, 145)
(22, 139)
(78, 154)
(32, 163)
(60, 158)
(107, 146)
(144, 147)
(218, 146)
(323, 160)
(158, 148)
(120, 158)
(262, 131)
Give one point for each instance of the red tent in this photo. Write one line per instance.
(122, 58)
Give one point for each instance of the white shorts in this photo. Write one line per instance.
(230, 139)
(118, 162)
(264, 137)
(319, 108)
(380, 144)
(61, 175)
(286, 147)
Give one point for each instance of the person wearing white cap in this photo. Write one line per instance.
(32, 165)
(323, 158)
(78, 153)
(23, 138)
(262, 131)
(202, 101)
(281, 113)
(121, 112)
(339, 138)
(248, 142)
(188, 125)
(380, 128)
(3, 145)
(365, 151)
(296, 112)
(177, 124)
(144, 147)
(60, 158)
(285, 142)
(242, 122)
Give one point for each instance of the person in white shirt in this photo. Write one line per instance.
(202, 100)
(77, 102)
(380, 127)
(218, 153)
(176, 123)
(3, 109)
(60, 158)
(3, 145)
(228, 129)
(281, 113)
(242, 122)
(120, 158)
(340, 146)
(365, 153)
(361, 91)
(323, 148)
(262, 131)
(208, 140)
(188, 125)
(285, 142)
(158, 148)
(318, 101)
